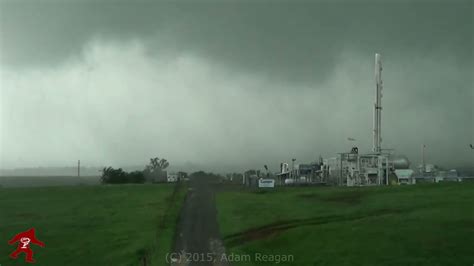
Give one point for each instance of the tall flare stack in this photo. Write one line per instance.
(377, 148)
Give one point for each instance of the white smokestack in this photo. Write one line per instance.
(377, 147)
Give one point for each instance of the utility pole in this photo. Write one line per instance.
(78, 168)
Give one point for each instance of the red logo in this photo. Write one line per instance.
(24, 240)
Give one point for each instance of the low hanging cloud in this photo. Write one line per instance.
(116, 103)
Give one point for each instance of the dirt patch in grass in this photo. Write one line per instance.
(272, 229)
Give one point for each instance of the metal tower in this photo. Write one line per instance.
(377, 145)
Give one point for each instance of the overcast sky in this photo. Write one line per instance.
(229, 83)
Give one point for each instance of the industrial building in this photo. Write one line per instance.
(299, 174)
(379, 167)
(353, 168)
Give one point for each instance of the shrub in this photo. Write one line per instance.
(119, 176)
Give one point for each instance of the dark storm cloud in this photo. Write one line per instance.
(295, 41)
(237, 83)
(49, 32)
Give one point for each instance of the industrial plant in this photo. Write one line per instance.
(353, 168)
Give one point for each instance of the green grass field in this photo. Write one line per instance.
(92, 225)
(429, 224)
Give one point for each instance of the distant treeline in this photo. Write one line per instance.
(119, 176)
(153, 172)
(200, 174)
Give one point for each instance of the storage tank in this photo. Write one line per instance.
(399, 161)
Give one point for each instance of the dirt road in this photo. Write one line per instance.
(198, 240)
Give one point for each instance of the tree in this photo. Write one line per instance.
(199, 174)
(157, 164)
(136, 177)
(119, 176)
(113, 176)
(202, 174)
(155, 170)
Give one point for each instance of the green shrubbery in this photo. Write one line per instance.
(152, 172)
(119, 176)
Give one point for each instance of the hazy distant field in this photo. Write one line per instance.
(408, 225)
(91, 225)
(42, 181)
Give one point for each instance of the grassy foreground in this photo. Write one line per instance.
(429, 224)
(92, 225)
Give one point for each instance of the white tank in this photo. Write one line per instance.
(289, 181)
(399, 161)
